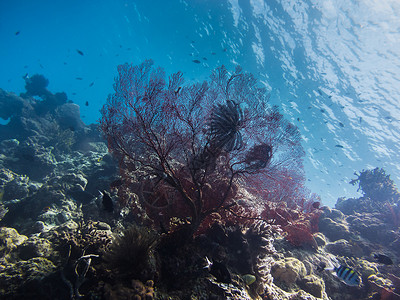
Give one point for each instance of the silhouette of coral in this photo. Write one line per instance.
(36, 85)
(377, 186)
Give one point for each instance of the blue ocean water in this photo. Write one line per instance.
(333, 67)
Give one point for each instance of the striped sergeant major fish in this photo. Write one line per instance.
(344, 273)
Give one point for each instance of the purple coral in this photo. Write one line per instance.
(189, 145)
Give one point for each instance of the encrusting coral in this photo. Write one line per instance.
(136, 291)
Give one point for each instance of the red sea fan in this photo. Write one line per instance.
(185, 148)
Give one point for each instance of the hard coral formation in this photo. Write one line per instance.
(10, 239)
(385, 288)
(377, 188)
(333, 224)
(288, 270)
(24, 275)
(36, 85)
(137, 291)
(359, 228)
(313, 285)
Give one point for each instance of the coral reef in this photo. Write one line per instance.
(361, 227)
(244, 238)
(377, 188)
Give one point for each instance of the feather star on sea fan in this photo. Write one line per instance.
(224, 126)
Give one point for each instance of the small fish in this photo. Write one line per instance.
(341, 124)
(204, 58)
(218, 270)
(91, 84)
(107, 202)
(178, 90)
(383, 259)
(339, 146)
(87, 103)
(249, 279)
(344, 273)
(78, 78)
(196, 61)
(79, 52)
(17, 32)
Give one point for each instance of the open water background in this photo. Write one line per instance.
(333, 66)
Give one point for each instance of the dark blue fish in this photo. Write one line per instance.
(107, 202)
(219, 271)
(383, 259)
(79, 52)
(196, 61)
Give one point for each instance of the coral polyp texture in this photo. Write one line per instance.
(186, 149)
